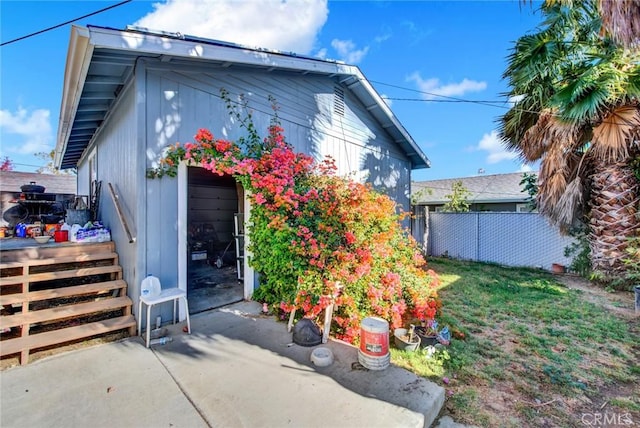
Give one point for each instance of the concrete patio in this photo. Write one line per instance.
(238, 368)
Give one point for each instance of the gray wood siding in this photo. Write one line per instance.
(191, 100)
(165, 115)
(117, 162)
(179, 101)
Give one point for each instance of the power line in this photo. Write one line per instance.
(446, 98)
(423, 100)
(65, 23)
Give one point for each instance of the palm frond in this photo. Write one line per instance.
(586, 103)
(534, 142)
(570, 205)
(552, 180)
(613, 137)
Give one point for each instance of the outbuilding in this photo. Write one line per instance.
(130, 93)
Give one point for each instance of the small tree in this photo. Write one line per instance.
(418, 194)
(6, 164)
(458, 199)
(529, 183)
(49, 168)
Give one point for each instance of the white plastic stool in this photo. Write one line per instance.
(166, 295)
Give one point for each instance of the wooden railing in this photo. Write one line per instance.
(56, 294)
(123, 220)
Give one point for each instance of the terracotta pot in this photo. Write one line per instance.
(558, 268)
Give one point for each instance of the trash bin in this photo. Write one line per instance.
(80, 217)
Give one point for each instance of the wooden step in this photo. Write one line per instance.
(26, 255)
(14, 346)
(61, 312)
(57, 293)
(75, 258)
(47, 268)
(64, 274)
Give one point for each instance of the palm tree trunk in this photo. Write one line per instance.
(614, 216)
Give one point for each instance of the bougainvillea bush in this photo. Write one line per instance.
(316, 238)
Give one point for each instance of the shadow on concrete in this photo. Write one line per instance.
(237, 354)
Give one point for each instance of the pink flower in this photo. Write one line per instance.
(259, 198)
(350, 237)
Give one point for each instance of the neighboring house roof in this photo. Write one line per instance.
(101, 60)
(11, 181)
(495, 188)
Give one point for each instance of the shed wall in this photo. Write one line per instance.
(313, 122)
(179, 101)
(117, 160)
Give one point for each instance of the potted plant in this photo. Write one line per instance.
(406, 340)
(428, 333)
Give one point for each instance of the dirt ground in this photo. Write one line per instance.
(620, 303)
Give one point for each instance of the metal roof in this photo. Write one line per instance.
(493, 188)
(101, 60)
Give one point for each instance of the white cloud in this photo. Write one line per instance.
(322, 53)
(514, 99)
(383, 37)
(285, 25)
(525, 168)
(347, 51)
(33, 126)
(433, 87)
(493, 144)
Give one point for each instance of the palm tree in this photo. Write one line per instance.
(620, 19)
(578, 112)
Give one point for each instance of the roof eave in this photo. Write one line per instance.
(85, 40)
(157, 44)
(418, 158)
(479, 201)
(77, 65)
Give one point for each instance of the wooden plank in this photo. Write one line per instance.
(73, 273)
(90, 257)
(55, 293)
(64, 249)
(123, 221)
(11, 265)
(61, 312)
(13, 280)
(20, 344)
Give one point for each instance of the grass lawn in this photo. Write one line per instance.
(532, 349)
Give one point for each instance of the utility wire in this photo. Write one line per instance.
(65, 23)
(446, 98)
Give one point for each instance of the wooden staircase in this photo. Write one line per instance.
(54, 294)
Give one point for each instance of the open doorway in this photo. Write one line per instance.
(214, 240)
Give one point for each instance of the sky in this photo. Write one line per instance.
(438, 64)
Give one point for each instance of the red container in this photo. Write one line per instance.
(374, 337)
(61, 235)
